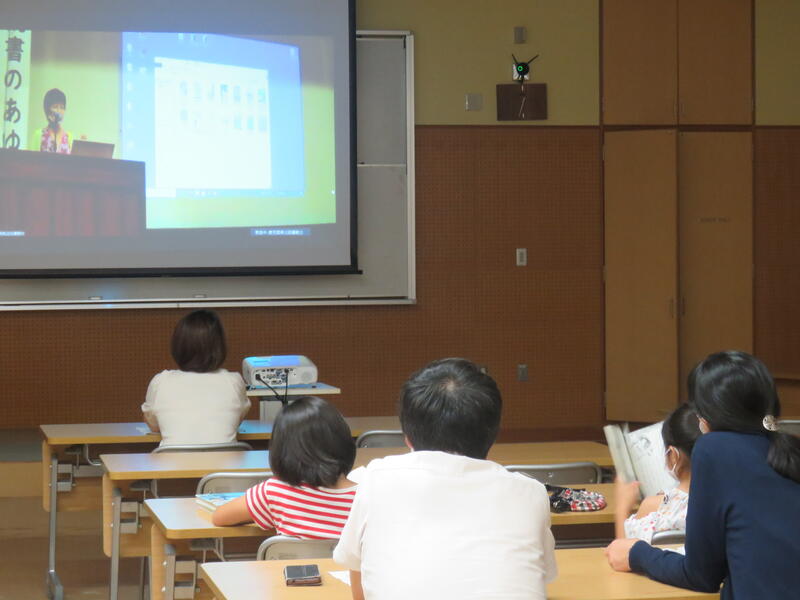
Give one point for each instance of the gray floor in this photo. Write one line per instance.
(20, 445)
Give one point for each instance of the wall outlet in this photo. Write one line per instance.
(473, 101)
(522, 257)
(522, 372)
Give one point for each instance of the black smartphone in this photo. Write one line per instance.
(302, 575)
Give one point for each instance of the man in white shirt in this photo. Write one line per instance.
(442, 521)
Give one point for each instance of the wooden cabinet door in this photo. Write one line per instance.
(641, 273)
(640, 62)
(716, 244)
(715, 56)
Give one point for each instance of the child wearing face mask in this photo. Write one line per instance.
(53, 138)
(665, 511)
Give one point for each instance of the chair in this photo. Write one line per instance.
(284, 547)
(381, 439)
(225, 483)
(564, 474)
(673, 536)
(791, 426)
(204, 447)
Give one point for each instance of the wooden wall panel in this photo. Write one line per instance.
(641, 234)
(716, 245)
(777, 249)
(481, 193)
(715, 58)
(640, 62)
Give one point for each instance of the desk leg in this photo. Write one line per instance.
(55, 591)
(116, 512)
(157, 563)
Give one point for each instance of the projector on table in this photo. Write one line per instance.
(278, 371)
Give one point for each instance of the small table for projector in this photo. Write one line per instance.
(269, 399)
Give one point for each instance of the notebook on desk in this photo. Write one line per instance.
(639, 456)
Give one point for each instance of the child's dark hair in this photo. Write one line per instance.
(311, 444)
(681, 429)
(198, 342)
(734, 391)
(451, 406)
(54, 96)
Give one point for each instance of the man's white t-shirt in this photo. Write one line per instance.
(432, 525)
(197, 408)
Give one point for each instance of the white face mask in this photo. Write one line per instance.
(673, 470)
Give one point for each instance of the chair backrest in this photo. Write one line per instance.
(204, 447)
(673, 536)
(789, 426)
(564, 474)
(283, 547)
(226, 483)
(381, 439)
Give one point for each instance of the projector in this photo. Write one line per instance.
(275, 371)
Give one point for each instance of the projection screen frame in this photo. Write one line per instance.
(408, 296)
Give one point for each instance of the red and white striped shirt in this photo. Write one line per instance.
(304, 512)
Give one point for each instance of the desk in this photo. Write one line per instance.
(61, 473)
(584, 574)
(526, 453)
(124, 469)
(177, 521)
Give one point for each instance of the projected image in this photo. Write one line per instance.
(219, 122)
(127, 149)
(232, 131)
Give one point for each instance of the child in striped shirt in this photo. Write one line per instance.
(309, 496)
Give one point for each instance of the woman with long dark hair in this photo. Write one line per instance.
(743, 521)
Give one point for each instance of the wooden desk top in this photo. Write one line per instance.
(183, 518)
(584, 574)
(139, 433)
(98, 433)
(528, 453)
(181, 465)
(189, 465)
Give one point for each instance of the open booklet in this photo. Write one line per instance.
(639, 456)
(213, 501)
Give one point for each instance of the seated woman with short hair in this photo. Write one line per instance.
(201, 403)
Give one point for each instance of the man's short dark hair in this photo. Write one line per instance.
(198, 342)
(311, 444)
(450, 405)
(54, 96)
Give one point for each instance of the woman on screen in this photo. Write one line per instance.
(54, 138)
(201, 403)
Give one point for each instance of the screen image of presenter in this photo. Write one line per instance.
(234, 131)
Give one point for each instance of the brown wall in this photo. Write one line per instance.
(482, 191)
(84, 366)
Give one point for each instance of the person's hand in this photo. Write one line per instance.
(627, 495)
(618, 552)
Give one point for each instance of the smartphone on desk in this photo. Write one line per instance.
(302, 575)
